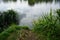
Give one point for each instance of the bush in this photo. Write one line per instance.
(7, 18)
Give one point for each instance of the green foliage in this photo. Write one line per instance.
(43, 1)
(48, 26)
(25, 27)
(58, 12)
(7, 18)
(12, 29)
(32, 2)
(12, 33)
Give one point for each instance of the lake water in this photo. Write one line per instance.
(29, 10)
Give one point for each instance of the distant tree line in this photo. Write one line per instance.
(9, 0)
(32, 2)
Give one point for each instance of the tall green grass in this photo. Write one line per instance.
(48, 26)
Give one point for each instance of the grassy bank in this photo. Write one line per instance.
(48, 26)
(11, 30)
(12, 33)
(45, 28)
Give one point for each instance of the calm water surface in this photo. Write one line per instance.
(29, 11)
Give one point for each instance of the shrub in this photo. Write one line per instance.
(7, 18)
